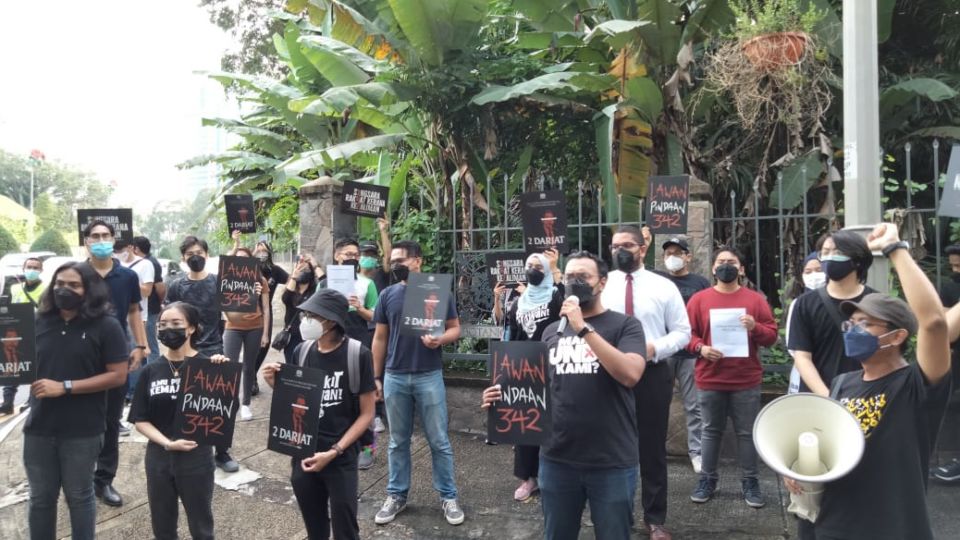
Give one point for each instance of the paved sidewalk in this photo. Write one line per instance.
(258, 503)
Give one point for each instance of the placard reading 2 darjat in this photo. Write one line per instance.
(295, 411)
(425, 304)
(241, 215)
(17, 345)
(544, 216)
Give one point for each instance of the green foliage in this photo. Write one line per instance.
(51, 240)
(758, 17)
(8, 244)
(421, 227)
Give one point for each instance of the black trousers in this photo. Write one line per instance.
(526, 461)
(653, 394)
(336, 486)
(110, 453)
(174, 477)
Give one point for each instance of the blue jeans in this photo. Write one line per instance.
(152, 337)
(565, 489)
(425, 394)
(742, 406)
(53, 463)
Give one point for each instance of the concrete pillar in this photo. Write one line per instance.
(321, 222)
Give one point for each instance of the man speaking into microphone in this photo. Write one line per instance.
(591, 454)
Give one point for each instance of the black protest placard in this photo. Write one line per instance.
(121, 219)
(522, 415)
(425, 304)
(667, 204)
(238, 277)
(295, 411)
(241, 215)
(506, 267)
(950, 199)
(544, 216)
(18, 343)
(208, 402)
(362, 199)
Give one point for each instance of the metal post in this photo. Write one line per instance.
(936, 206)
(33, 217)
(861, 120)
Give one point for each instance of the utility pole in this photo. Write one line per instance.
(861, 128)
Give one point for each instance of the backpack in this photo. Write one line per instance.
(353, 362)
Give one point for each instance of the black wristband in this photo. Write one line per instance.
(895, 246)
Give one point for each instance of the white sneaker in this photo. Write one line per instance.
(452, 511)
(378, 426)
(392, 506)
(245, 413)
(697, 463)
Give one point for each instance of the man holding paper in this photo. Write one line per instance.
(728, 324)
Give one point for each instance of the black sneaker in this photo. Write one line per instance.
(949, 472)
(705, 490)
(227, 463)
(751, 493)
(255, 389)
(6, 408)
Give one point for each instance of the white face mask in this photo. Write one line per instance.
(673, 263)
(814, 280)
(311, 329)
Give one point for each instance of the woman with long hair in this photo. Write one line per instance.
(301, 285)
(178, 470)
(525, 318)
(81, 353)
(276, 276)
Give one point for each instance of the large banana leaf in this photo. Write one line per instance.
(549, 15)
(616, 33)
(663, 35)
(797, 179)
(624, 174)
(436, 27)
(569, 81)
(620, 9)
(707, 18)
(327, 157)
(233, 160)
(902, 93)
(349, 26)
(272, 143)
(303, 71)
(339, 63)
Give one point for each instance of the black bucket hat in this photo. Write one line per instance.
(328, 304)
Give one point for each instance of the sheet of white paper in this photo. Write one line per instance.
(342, 278)
(727, 334)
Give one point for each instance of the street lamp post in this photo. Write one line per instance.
(861, 127)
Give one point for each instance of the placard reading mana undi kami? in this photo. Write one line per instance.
(238, 278)
(208, 402)
(362, 199)
(522, 415)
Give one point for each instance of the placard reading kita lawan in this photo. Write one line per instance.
(425, 304)
(544, 216)
(17, 331)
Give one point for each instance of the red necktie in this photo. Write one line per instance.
(628, 303)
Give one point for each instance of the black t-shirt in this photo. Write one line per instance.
(74, 350)
(815, 330)
(275, 276)
(338, 408)
(530, 324)
(291, 299)
(155, 398)
(380, 279)
(950, 290)
(688, 286)
(153, 301)
(201, 294)
(884, 497)
(594, 416)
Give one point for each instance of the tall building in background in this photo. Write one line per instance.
(212, 103)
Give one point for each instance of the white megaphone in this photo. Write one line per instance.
(810, 438)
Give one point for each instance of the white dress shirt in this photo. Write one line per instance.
(657, 304)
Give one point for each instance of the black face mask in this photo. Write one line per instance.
(955, 277)
(66, 299)
(584, 291)
(624, 261)
(398, 273)
(837, 270)
(304, 278)
(727, 273)
(352, 262)
(172, 338)
(534, 276)
(196, 263)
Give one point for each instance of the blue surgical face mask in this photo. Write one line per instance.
(102, 250)
(860, 345)
(31, 275)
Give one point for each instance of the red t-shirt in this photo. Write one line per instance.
(730, 374)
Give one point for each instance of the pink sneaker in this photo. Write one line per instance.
(526, 490)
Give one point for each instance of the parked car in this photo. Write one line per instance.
(11, 266)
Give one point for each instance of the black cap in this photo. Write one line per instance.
(886, 308)
(328, 304)
(369, 247)
(677, 241)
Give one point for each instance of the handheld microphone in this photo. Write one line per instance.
(563, 320)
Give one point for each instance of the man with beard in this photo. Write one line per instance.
(656, 302)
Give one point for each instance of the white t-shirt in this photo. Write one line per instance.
(144, 270)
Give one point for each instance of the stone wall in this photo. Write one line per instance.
(321, 222)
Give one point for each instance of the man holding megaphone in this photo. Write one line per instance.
(895, 403)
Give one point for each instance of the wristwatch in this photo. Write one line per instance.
(895, 246)
(336, 448)
(587, 328)
(67, 387)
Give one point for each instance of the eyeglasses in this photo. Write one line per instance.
(100, 237)
(350, 255)
(846, 326)
(629, 246)
(570, 278)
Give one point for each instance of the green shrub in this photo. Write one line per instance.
(8, 244)
(51, 240)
